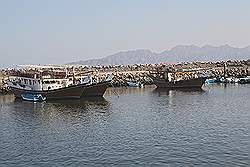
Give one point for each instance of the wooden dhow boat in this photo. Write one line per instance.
(57, 88)
(174, 80)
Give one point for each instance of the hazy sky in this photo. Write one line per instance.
(61, 31)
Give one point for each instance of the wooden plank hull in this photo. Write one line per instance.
(71, 92)
(191, 83)
(96, 90)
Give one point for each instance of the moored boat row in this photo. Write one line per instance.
(68, 83)
(232, 80)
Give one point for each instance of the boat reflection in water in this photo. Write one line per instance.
(88, 101)
(6, 98)
(174, 98)
(184, 91)
(60, 116)
(75, 107)
(84, 103)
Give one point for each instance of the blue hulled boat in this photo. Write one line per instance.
(33, 97)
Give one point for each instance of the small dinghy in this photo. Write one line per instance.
(133, 83)
(33, 97)
(210, 81)
(245, 80)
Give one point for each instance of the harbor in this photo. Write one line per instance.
(124, 83)
(137, 75)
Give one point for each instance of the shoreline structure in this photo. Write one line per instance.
(137, 72)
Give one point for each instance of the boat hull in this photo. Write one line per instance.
(191, 83)
(95, 90)
(71, 92)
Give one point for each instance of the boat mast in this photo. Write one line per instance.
(225, 69)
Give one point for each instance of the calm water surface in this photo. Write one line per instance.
(140, 127)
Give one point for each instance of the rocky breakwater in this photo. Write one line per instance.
(122, 74)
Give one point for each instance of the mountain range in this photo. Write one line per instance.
(179, 53)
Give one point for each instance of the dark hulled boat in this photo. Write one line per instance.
(174, 80)
(53, 87)
(70, 92)
(189, 83)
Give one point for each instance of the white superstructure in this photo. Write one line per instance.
(46, 83)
